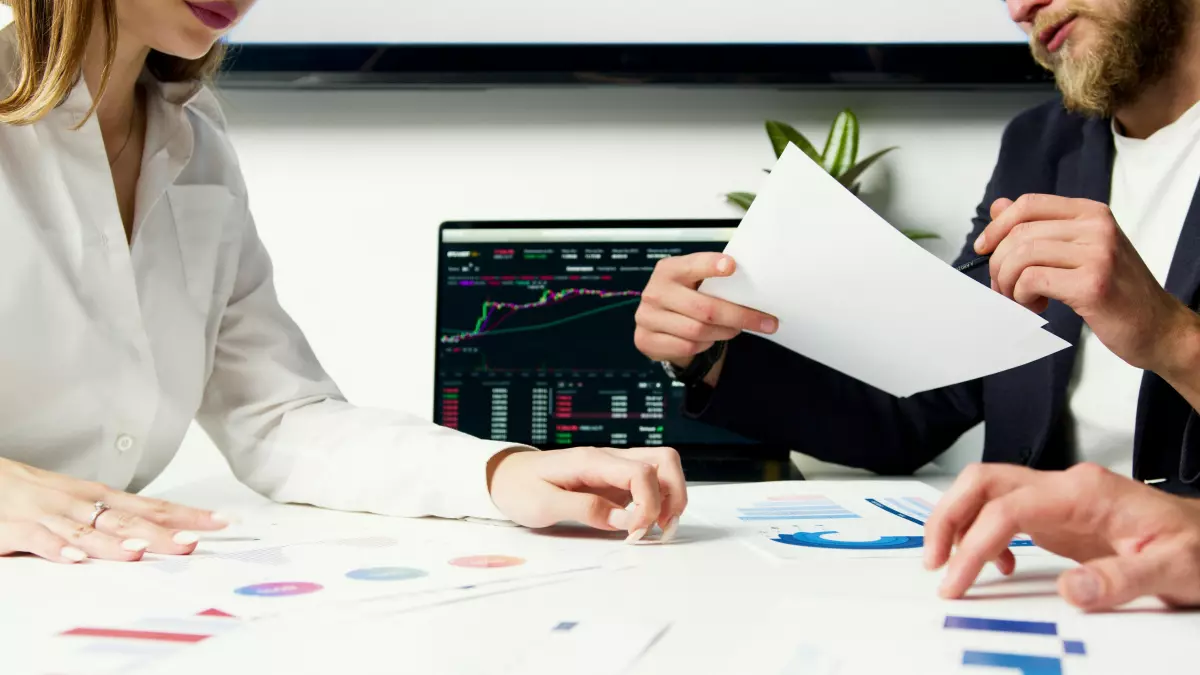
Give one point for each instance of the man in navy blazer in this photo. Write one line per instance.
(1090, 218)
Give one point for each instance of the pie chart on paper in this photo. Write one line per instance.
(487, 561)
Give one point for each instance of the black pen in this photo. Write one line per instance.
(968, 266)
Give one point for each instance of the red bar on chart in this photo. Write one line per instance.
(153, 636)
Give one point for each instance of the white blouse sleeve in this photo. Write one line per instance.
(288, 433)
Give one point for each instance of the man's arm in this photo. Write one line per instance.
(775, 395)
(1181, 360)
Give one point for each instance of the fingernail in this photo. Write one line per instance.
(1083, 587)
(225, 518)
(185, 538)
(669, 532)
(73, 554)
(636, 536)
(620, 519)
(980, 243)
(723, 265)
(769, 325)
(135, 545)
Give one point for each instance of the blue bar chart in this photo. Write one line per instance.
(797, 507)
(1024, 664)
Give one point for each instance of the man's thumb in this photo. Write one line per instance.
(1110, 582)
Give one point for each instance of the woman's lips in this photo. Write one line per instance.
(215, 15)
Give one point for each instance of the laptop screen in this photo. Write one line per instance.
(535, 336)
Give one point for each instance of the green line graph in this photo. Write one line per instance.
(547, 325)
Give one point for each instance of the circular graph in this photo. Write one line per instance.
(279, 589)
(386, 574)
(822, 540)
(485, 561)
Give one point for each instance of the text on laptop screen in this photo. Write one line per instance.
(535, 337)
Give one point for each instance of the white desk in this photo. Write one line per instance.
(730, 610)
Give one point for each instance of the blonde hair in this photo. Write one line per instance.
(52, 37)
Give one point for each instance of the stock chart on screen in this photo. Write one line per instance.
(535, 336)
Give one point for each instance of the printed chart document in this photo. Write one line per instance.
(586, 647)
(286, 565)
(827, 520)
(855, 294)
(1034, 635)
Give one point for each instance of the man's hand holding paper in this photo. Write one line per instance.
(853, 293)
(675, 322)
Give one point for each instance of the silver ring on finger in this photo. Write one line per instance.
(98, 510)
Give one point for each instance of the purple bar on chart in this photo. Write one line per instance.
(1074, 647)
(1001, 625)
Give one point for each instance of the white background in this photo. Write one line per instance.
(628, 21)
(349, 188)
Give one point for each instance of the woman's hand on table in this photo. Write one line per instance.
(592, 486)
(49, 515)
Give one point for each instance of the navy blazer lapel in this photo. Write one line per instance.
(1182, 282)
(1184, 277)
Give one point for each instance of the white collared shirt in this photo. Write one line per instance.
(108, 350)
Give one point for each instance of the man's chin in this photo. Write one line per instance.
(1087, 102)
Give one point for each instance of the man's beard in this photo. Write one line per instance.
(1131, 49)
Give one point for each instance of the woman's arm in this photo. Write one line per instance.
(288, 432)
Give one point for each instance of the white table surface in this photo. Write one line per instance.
(730, 610)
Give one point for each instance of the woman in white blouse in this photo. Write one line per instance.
(137, 296)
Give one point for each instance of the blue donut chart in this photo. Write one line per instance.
(820, 540)
(891, 543)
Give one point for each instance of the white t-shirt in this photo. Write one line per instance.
(1153, 183)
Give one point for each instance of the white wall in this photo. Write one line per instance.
(348, 189)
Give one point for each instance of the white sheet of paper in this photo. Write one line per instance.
(587, 647)
(855, 294)
(827, 520)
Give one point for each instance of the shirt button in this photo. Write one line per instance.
(124, 443)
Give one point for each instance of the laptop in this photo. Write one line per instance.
(534, 342)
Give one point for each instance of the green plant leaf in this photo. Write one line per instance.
(742, 199)
(841, 147)
(856, 171)
(920, 234)
(781, 134)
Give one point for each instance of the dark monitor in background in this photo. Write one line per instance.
(535, 346)
(851, 43)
